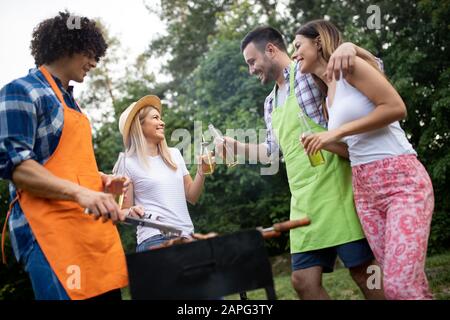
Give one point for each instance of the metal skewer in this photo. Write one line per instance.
(165, 229)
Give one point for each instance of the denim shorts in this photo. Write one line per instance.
(352, 254)
(151, 242)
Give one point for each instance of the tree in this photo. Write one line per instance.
(221, 92)
(412, 41)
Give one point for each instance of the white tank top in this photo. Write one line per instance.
(350, 104)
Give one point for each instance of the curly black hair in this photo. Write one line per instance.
(65, 35)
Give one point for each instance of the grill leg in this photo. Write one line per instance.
(243, 295)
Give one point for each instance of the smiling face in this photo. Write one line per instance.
(153, 126)
(78, 65)
(259, 63)
(306, 52)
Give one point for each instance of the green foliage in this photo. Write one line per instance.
(4, 198)
(340, 285)
(191, 25)
(439, 240)
(413, 43)
(210, 83)
(222, 93)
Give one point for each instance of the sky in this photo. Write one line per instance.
(129, 20)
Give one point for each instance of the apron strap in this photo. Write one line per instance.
(292, 79)
(291, 84)
(52, 83)
(4, 228)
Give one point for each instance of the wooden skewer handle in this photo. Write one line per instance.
(271, 234)
(291, 224)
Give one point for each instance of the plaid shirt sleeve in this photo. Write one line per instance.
(18, 125)
(309, 97)
(270, 142)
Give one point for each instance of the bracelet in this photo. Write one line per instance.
(202, 175)
(129, 210)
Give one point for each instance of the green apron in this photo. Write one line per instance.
(323, 193)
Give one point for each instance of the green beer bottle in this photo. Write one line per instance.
(317, 158)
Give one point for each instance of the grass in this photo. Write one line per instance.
(339, 283)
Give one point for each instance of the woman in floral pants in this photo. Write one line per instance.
(393, 192)
(394, 199)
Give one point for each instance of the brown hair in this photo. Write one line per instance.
(330, 38)
(261, 36)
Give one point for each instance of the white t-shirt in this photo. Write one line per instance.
(350, 104)
(159, 190)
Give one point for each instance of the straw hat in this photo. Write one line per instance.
(126, 118)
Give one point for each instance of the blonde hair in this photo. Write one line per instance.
(137, 144)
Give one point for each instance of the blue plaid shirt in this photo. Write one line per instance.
(309, 98)
(31, 122)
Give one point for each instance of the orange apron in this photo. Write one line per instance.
(85, 254)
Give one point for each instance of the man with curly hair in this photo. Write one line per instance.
(46, 152)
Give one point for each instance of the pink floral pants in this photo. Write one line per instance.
(394, 200)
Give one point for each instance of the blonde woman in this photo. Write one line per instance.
(161, 184)
(393, 192)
